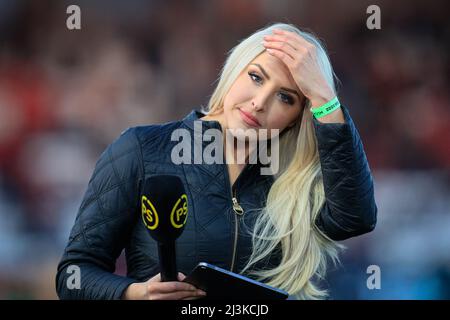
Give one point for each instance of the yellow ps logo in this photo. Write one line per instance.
(178, 216)
(149, 214)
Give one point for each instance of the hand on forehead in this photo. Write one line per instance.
(276, 70)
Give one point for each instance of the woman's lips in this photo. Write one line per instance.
(249, 119)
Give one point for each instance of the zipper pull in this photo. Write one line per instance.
(237, 207)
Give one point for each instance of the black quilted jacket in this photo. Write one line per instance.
(108, 219)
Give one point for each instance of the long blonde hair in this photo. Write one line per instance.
(297, 194)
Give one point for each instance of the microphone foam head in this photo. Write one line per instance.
(164, 207)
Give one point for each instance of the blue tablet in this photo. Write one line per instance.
(219, 283)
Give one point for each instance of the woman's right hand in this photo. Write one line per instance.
(154, 289)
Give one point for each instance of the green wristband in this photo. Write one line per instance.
(327, 108)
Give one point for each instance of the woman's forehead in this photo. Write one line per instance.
(275, 69)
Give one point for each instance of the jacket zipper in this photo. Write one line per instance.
(239, 211)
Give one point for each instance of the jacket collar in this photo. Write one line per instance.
(195, 115)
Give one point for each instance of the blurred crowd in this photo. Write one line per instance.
(66, 94)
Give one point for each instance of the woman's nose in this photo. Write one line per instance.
(255, 106)
(259, 102)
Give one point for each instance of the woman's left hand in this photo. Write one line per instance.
(300, 57)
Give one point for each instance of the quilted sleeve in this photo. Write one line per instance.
(350, 208)
(103, 224)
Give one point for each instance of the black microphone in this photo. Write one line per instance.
(164, 213)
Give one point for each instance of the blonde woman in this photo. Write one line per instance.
(278, 228)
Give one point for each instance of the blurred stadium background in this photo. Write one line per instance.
(65, 95)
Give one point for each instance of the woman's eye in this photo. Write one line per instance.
(286, 98)
(255, 77)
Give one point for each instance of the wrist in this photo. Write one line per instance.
(321, 98)
(133, 292)
(320, 101)
(329, 112)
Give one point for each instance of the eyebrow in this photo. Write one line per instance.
(267, 76)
